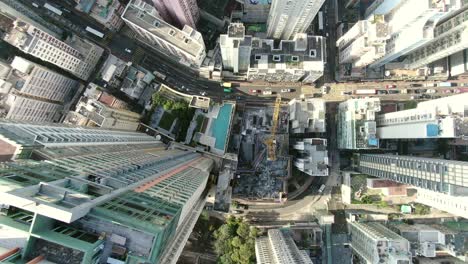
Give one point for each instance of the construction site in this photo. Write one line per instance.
(264, 164)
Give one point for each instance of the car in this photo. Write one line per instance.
(203, 93)
(346, 93)
(128, 50)
(435, 97)
(426, 96)
(267, 92)
(431, 91)
(389, 86)
(254, 91)
(320, 190)
(287, 90)
(420, 91)
(382, 92)
(317, 95)
(393, 91)
(448, 91)
(416, 85)
(415, 97)
(237, 211)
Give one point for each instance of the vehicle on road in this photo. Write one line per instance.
(255, 91)
(365, 91)
(393, 91)
(160, 75)
(415, 97)
(237, 211)
(96, 33)
(128, 50)
(448, 91)
(404, 91)
(267, 92)
(53, 9)
(346, 93)
(227, 90)
(446, 84)
(389, 86)
(461, 90)
(35, 5)
(416, 85)
(317, 95)
(420, 91)
(321, 189)
(382, 92)
(203, 93)
(286, 90)
(325, 89)
(431, 91)
(429, 85)
(226, 84)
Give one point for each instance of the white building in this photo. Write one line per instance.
(356, 124)
(287, 18)
(312, 157)
(440, 118)
(450, 37)
(185, 45)
(412, 25)
(374, 243)
(456, 205)
(307, 115)
(75, 55)
(423, 238)
(279, 248)
(103, 11)
(31, 92)
(364, 43)
(235, 48)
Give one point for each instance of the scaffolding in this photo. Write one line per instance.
(270, 142)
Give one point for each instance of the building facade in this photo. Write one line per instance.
(375, 243)
(182, 12)
(287, 18)
(185, 45)
(75, 55)
(312, 156)
(307, 115)
(439, 118)
(279, 247)
(134, 202)
(32, 92)
(357, 128)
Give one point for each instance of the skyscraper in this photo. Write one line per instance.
(186, 45)
(182, 12)
(103, 201)
(289, 17)
(32, 92)
(75, 55)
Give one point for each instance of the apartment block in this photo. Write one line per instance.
(182, 12)
(103, 11)
(75, 55)
(32, 92)
(357, 127)
(439, 118)
(312, 156)
(375, 243)
(287, 18)
(109, 207)
(450, 37)
(307, 115)
(279, 247)
(235, 49)
(186, 45)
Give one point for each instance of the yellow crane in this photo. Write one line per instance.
(270, 142)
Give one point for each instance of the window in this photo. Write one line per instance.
(295, 58)
(258, 57)
(312, 53)
(156, 23)
(171, 32)
(276, 58)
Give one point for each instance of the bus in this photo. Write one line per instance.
(365, 91)
(227, 90)
(320, 20)
(95, 32)
(53, 9)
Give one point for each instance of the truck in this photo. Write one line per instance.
(364, 91)
(95, 32)
(160, 75)
(226, 84)
(53, 9)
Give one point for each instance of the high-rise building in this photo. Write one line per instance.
(186, 45)
(450, 37)
(356, 124)
(439, 118)
(364, 43)
(287, 18)
(123, 206)
(235, 49)
(75, 55)
(375, 243)
(279, 247)
(312, 156)
(103, 11)
(301, 59)
(307, 115)
(32, 92)
(182, 12)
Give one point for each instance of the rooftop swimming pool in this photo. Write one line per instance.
(220, 126)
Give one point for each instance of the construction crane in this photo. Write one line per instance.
(270, 142)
